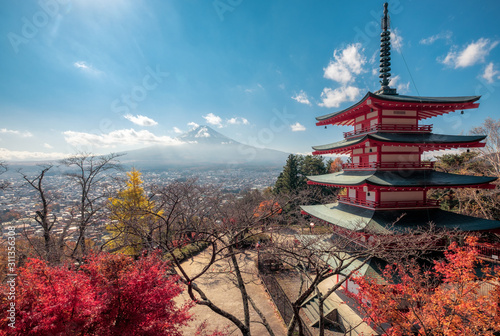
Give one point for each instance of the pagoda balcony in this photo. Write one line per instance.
(389, 128)
(386, 205)
(488, 251)
(388, 165)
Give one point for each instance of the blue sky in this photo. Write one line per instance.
(106, 76)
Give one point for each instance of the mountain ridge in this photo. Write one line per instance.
(204, 147)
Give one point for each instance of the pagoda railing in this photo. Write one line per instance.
(388, 204)
(389, 128)
(388, 165)
(491, 251)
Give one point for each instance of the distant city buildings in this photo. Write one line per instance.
(23, 200)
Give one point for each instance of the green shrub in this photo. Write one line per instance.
(189, 250)
(252, 240)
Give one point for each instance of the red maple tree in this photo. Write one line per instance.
(108, 295)
(445, 300)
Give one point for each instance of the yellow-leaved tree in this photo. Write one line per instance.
(134, 218)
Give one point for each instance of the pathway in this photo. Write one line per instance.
(219, 288)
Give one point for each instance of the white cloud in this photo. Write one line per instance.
(346, 64)
(297, 127)
(374, 57)
(490, 74)
(396, 40)
(141, 120)
(178, 130)
(46, 145)
(446, 35)
(81, 65)
(471, 54)
(237, 121)
(192, 125)
(212, 119)
(302, 98)
(333, 98)
(86, 67)
(254, 89)
(10, 155)
(118, 137)
(401, 87)
(24, 134)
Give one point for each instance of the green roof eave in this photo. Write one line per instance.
(400, 178)
(413, 219)
(345, 216)
(327, 116)
(407, 138)
(339, 144)
(425, 138)
(327, 243)
(396, 221)
(427, 100)
(348, 178)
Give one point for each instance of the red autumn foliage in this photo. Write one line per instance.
(108, 295)
(445, 300)
(336, 165)
(267, 209)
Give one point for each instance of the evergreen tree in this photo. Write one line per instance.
(312, 165)
(289, 179)
(293, 178)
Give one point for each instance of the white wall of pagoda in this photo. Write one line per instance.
(391, 196)
(397, 117)
(371, 196)
(386, 154)
(386, 117)
(400, 158)
(383, 198)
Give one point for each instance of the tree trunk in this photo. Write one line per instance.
(262, 317)
(321, 314)
(241, 286)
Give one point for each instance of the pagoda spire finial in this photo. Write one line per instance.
(385, 54)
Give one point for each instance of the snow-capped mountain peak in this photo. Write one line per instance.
(205, 134)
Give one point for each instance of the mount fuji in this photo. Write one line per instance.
(204, 147)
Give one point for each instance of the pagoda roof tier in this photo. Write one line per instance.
(426, 141)
(395, 221)
(403, 179)
(426, 107)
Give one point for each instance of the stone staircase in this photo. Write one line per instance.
(311, 308)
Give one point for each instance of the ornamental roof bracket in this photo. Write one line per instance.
(385, 55)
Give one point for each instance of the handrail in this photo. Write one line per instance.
(388, 165)
(488, 250)
(388, 204)
(389, 128)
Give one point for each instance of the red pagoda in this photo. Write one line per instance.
(386, 176)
